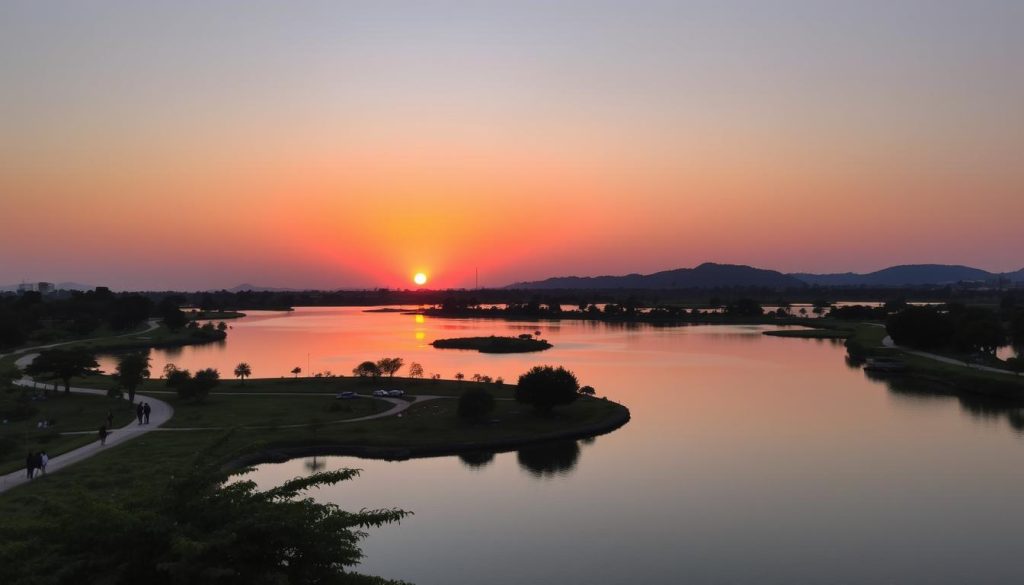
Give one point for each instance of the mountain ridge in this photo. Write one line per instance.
(713, 275)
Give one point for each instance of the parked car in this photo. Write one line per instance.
(348, 395)
(380, 392)
(396, 393)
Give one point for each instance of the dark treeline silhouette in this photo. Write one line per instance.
(78, 313)
(33, 317)
(958, 327)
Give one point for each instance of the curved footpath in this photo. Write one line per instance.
(160, 413)
(888, 342)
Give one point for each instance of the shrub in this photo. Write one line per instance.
(545, 387)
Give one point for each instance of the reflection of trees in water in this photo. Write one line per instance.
(549, 459)
(977, 406)
(315, 464)
(477, 459)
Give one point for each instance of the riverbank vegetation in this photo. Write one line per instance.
(157, 474)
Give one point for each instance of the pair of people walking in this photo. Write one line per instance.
(36, 462)
(142, 411)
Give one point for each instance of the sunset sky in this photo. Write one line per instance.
(185, 145)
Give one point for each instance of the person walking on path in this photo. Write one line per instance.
(110, 419)
(44, 459)
(138, 412)
(145, 411)
(30, 464)
(103, 435)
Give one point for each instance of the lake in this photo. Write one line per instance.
(749, 459)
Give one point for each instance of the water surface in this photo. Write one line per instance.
(749, 459)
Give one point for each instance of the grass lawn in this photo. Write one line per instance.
(225, 410)
(146, 463)
(74, 412)
(413, 386)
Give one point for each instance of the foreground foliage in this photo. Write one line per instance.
(197, 530)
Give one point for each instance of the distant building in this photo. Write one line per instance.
(45, 288)
(26, 287)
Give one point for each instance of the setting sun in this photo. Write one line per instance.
(420, 278)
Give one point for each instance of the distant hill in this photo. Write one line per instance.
(907, 275)
(708, 275)
(1015, 276)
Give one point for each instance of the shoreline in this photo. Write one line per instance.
(283, 453)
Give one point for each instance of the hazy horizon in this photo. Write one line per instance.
(195, 145)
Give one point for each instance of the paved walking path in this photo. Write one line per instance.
(160, 413)
(888, 342)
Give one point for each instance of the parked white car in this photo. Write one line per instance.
(380, 392)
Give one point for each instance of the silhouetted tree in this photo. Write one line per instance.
(415, 370)
(243, 371)
(545, 387)
(587, 390)
(296, 370)
(204, 380)
(367, 369)
(131, 371)
(390, 366)
(190, 387)
(63, 364)
(460, 376)
(171, 315)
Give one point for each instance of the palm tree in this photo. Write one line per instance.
(243, 371)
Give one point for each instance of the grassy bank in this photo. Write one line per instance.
(264, 413)
(63, 412)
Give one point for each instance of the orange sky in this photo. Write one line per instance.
(344, 144)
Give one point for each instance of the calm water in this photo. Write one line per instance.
(749, 459)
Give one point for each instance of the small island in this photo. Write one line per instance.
(494, 344)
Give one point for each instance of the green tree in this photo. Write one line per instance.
(243, 371)
(63, 364)
(545, 387)
(131, 371)
(475, 404)
(366, 369)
